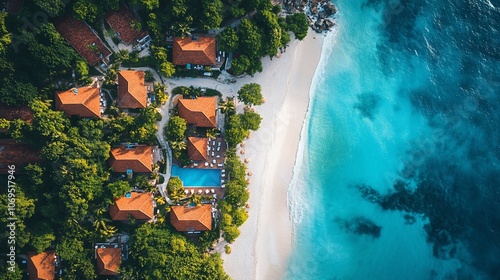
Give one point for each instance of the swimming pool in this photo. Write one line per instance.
(197, 177)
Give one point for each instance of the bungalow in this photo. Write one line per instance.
(194, 50)
(17, 154)
(132, 91)
(132, 159)
(108, 260)
(11, 113)
(191, 219)
(13, 6)
(137, 205)
(122, 22)
(83, 102)
(197, 148)
(201, 112)
(42, 266)
(84, 40)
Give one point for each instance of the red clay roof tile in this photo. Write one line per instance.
(200, 111)
(188, 218)
(81, 37)
(201, 51)
(108, 260)
(82, 102)
(18, 154)
(138, 205)
(120, 21)
(137, 158)
(42, 266)
(131, 89)
(197, 148)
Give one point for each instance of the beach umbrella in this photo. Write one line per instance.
(247, 160)
(243, 144)
(247, 205)
(250, 173)
(248, 182)
(242, 152)
(207, 191)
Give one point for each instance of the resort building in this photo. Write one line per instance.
(194, 51)
(11, 113)
(132, 90)
(200, 112)
(13, 6)
(191, 219)
(140, 206)
(197, 148)
(83, 102)
(108, 260)
(18, 154)
(42, 266)
(132, 159)
(84, 40)
(122, 21)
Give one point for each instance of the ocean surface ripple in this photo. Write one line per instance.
(400, 168)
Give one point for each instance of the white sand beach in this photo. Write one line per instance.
(262, 249)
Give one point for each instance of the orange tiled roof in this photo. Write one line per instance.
(197, 148)
(42, 266)
(108, 260)
(138, 205)
(80, 37)
(186, 50)
(18, 154)
(131, 89)
(186, 218)
(13, 6)
(200, 111)
(11, 113)
(82, 102)
(120, 21)
(138, 158)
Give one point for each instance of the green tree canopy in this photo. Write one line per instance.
(297, 23)
(176, 128)
(175, 188)
(250, 94)
(228, 40)
(118, 188)
(250, 120)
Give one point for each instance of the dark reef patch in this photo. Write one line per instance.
(367, 104)
(360, 226)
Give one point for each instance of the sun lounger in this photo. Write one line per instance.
(213, 154)
(206, 163)
(211, 165)
(218, 149)
(218, 144)
(213, 143)
(195, 164)
(220, 164)
(217, 156)
(212, 190)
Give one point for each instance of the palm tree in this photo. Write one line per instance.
(103, 228)
(227, 107)
(211, 133)
(178, 145)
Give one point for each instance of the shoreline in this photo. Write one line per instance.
(263, 248)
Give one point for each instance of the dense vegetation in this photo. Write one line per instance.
(62, 201)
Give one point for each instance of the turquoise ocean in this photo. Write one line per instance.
(398, 172)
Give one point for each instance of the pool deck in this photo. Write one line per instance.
(216, 155)
(218, 191)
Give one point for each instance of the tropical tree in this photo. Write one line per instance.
(175, 188)
(250, 120)
(228, 40)
(297, 23)
(176, 128)
(250, 94)
(227, 107)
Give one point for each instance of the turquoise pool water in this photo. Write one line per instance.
(197, 177)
